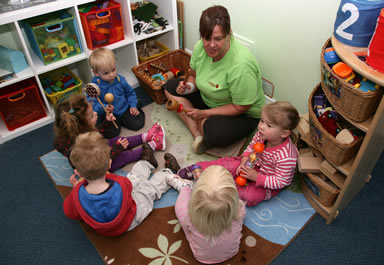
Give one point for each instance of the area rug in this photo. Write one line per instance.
(268, 228)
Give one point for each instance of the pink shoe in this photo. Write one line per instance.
(158, 141)
(147, 136)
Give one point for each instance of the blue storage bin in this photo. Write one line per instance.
(12, 60)
(53, 36)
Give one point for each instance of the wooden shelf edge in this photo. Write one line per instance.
(345, 168)
(347, 54)
(324, 211)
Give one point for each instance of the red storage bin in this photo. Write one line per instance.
(20, 104)
(101, 26)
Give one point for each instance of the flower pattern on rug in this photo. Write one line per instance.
(164, 255)
(177, 225)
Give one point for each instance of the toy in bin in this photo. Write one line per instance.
(251, 162)
(61, 83)
(102, 23)
(330, 56)
(53, 36)
(342, 70)
(366, 85)
(329, 121)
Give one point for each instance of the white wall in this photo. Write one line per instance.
(288, 37)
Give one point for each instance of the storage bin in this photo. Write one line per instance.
(53, 36)
(334, 151)
(20, 104)
(349, 101)
(12, 60)
(175, 59)
(163, 50)
(324, 190)
(60, 84)
(101, 26)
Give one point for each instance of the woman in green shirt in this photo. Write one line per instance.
(223, 94)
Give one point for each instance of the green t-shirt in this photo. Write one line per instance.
(235, 79)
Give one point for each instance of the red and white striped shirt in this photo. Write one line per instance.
(276, 166)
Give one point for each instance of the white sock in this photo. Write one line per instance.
(144, 136)
(152, 144)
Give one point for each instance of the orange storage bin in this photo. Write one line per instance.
(101, 26)
(21, 104)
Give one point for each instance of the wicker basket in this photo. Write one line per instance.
(333, 150)
(344, 97)
(177, 59)
(325, 192)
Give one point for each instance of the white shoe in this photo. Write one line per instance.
(198, 145)
(177, 183)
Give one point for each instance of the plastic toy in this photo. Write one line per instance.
(257, 149)
(93, 91)
(174, 105)
(328, 121)
(168, 75)
(367, 85)
(61, 83)
(176, 72)
(342, 70)
(330, 56)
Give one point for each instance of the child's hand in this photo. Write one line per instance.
(249, 173)
(242, 163)
(74, 181)
(124, 142)
(134, 111)
(110, 117)
(110, 108)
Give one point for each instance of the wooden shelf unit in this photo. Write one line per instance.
(12, 35)
(357, 171)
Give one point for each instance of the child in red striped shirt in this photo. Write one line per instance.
(275, 167)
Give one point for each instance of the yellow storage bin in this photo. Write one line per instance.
(60, 84)
(163, 50)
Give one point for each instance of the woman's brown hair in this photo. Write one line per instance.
(212, 16)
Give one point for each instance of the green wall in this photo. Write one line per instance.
(288, 37)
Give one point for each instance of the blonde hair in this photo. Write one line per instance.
(214, 202)
(90, 155)
(283, 114)
(101, 59)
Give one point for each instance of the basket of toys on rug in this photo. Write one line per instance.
(154, 73)
(333, 136)
(326, 192)
(351, 94)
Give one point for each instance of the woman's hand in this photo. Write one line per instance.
(180, 89)
(197, 114)
(124, 142)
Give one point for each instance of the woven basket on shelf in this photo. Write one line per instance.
(324, 192)
(326, 143)
(344, 97)
(174, 59)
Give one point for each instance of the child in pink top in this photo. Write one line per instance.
(275, 166)
(211, 214)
